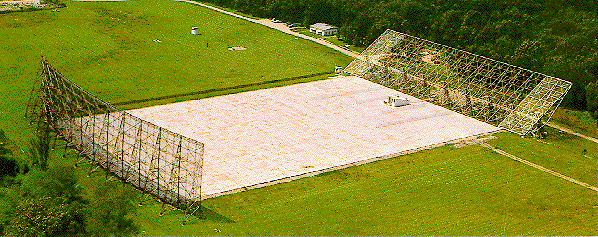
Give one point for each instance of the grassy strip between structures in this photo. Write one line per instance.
(561, 152)
(223, 89)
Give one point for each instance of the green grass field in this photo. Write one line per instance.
(560, 152)
(577, 121)
(111, 50)
(108, 48)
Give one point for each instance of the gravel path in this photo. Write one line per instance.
(572, 132)
(499, 151)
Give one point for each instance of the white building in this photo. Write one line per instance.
(396, 101)
(323, 29)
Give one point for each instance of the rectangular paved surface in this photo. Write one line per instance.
(265, 135)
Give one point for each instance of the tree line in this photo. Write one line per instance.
(43, 198)
(557, 37)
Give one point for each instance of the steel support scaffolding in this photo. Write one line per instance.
(155, 160)
(514, 98)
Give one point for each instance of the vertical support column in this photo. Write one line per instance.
(107, 143)
(178, 165)
(138, 141)
(158, 158)
(81, 140)
(201, 155)
(122, 145)
(93, 137)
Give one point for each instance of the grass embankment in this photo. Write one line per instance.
(123, 51)
(575, 120)
(443, 191)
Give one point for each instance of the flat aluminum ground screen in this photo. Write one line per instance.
(257, 138)
(517, 99)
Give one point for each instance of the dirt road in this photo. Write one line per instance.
(278, 26)
(572, 132)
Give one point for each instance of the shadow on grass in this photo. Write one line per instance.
(207, 214)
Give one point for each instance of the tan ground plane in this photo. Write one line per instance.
(265, 135)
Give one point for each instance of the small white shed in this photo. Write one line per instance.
(396, 101)
(195, 31)
(323, 29)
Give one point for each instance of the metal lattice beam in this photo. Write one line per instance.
(514, 98)
(153, 159)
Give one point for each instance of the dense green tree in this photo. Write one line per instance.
(46, 216)
(8, 165)
(109, 211)
(592, 98)
(39, 147)
(47, 203)
(51, 203)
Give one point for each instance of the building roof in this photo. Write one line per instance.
(322, 26)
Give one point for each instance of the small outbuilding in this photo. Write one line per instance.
(195, 31)
(323, 29)
(236, 48)
(396, 101)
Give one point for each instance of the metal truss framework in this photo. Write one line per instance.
(517, 99)
(151, 158)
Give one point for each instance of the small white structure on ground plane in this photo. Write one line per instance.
(194, 31)
(396, 101)
(323, 29)
(236, 48)
(338, 70)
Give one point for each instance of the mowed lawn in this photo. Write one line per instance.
(559, 151)
(444, 191)
(122, 51)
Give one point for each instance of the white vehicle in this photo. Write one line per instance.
(396, 101)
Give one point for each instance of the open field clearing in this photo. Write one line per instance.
(123, 51)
